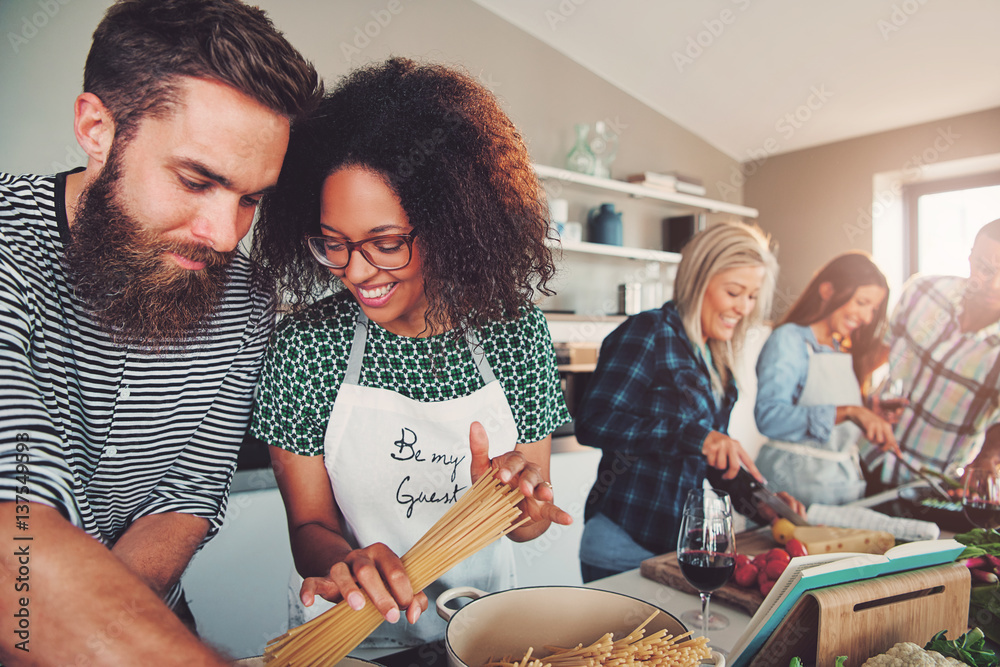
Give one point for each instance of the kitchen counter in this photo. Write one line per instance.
(633, 584)
(630, 583)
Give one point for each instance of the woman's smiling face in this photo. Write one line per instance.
(730, 296)
(859, 310)
(357, 204)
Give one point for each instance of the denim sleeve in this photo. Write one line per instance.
(781, 374)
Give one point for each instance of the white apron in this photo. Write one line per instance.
(820, 472)
(396, 465)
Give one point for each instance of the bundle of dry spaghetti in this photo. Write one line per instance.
(660, 649)
(485, 513)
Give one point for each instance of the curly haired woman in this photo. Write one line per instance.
(412, 191)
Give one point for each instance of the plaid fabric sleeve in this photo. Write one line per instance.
(649, 394)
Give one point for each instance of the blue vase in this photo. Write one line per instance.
(604, 225)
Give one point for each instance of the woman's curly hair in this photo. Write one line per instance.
(441, 142)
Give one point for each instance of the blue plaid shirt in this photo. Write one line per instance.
(649, 406)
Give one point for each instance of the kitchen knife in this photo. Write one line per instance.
(767, 497)
(746, 492)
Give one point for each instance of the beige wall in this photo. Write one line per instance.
(544, 92)
(817, 202)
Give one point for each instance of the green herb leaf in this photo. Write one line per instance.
(970, 648)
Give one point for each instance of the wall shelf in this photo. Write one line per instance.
(545, 172)
(644, 254)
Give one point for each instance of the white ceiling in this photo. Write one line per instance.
(776, 76)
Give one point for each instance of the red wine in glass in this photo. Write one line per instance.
(705, 570)
(706, 551)
(981, 497)
(983, 515)
(893, 404)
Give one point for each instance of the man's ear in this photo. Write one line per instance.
(826, 291)
(93, 126)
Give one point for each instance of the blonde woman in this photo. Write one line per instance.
(659, 402)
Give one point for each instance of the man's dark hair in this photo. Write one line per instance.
(440, 140)
(142, 48)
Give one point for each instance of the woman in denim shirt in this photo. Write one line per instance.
(810, 376)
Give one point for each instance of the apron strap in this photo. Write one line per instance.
(479, 356)
(850, 454)
(353, 374)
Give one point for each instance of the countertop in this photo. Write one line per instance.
(630, 583)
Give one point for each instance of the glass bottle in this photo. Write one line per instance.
(580, 157)
(604, 146)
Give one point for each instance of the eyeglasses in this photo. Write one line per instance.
(389, 252)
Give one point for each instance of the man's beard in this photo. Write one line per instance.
(122, 272)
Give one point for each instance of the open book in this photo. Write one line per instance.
(810, 572)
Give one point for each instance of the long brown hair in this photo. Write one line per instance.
(846, 273)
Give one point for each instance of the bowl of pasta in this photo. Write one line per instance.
(561, 624)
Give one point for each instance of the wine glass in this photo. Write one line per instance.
(891, 398)
(706, 551)
(981, 500)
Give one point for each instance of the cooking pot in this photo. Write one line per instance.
(501, 624)
(346, 662)
(921, 502)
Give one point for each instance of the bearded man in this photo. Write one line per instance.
(131, 329)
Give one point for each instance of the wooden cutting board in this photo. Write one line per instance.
(665, 570)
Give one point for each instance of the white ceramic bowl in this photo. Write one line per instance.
(507, 623)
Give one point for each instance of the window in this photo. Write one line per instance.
(942, 219)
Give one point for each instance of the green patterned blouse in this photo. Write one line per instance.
(307, 359)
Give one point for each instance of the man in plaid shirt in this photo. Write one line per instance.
(944, 343)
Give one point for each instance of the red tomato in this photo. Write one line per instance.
(775, 568)
(766, 587)
(762, 577)
(795, 548)
(742, 559)
(745, 575)
(779, 555)
(760, 561)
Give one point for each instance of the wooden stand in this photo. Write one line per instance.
(866, 618)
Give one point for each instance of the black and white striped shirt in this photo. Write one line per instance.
(103, 432)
